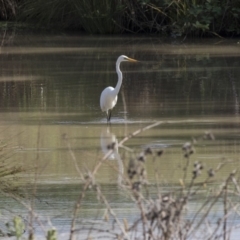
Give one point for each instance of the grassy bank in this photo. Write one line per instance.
(175, 18)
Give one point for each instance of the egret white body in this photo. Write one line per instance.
(109, 95)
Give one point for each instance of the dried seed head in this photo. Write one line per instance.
(136, 186)
(198, 165)
(183, 200)
(132, 168)
(164, 215)
(196, 172)
(209, 135)
(191, 151)
(143, 172)
(186, 146)
(141, 158)
(232, 174)
(165, 198)
(197, 169)
(160, 152)
(148, 151)
(188, 149)
(131, 173)
(211, 172)
(111, 146)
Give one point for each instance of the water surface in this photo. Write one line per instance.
(49, 103)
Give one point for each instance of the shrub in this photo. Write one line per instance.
(8, 9)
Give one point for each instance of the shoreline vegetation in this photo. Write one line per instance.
(193, 18)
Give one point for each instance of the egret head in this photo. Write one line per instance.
(124, 58)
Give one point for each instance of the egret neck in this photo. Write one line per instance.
(119, 83)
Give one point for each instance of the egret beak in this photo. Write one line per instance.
(131, 60)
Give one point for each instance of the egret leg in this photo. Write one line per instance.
(109, 115)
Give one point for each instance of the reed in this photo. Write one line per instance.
(48, 14)
(175, 18)
(90, 16)
(8, 9)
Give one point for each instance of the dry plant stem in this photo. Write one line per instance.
(228, 231)
(77, 208)
(211, 205)
(89, 180)
(31, 212)
(82, 194)
(220, 165)
(201, 208)
(134, 225)
(29, 208)
(204, 216)
(144, 221)
(139, 131)
(236, 184)
(97, 230)
(92, 228)
(143, 217)
(219, 224)
(225, 212)
(185, 170)
(101, 161)
(112, 213)
(190, 188)
(152, 126)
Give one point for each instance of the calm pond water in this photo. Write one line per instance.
(52, 124)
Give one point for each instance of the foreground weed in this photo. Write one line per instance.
(51, 234)
(16, 228)
(162, 215)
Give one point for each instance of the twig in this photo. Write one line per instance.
(73, 156)
(112, 212)
(211, 205)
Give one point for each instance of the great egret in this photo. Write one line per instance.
(109, 95)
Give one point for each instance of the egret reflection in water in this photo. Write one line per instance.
(108, 141)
